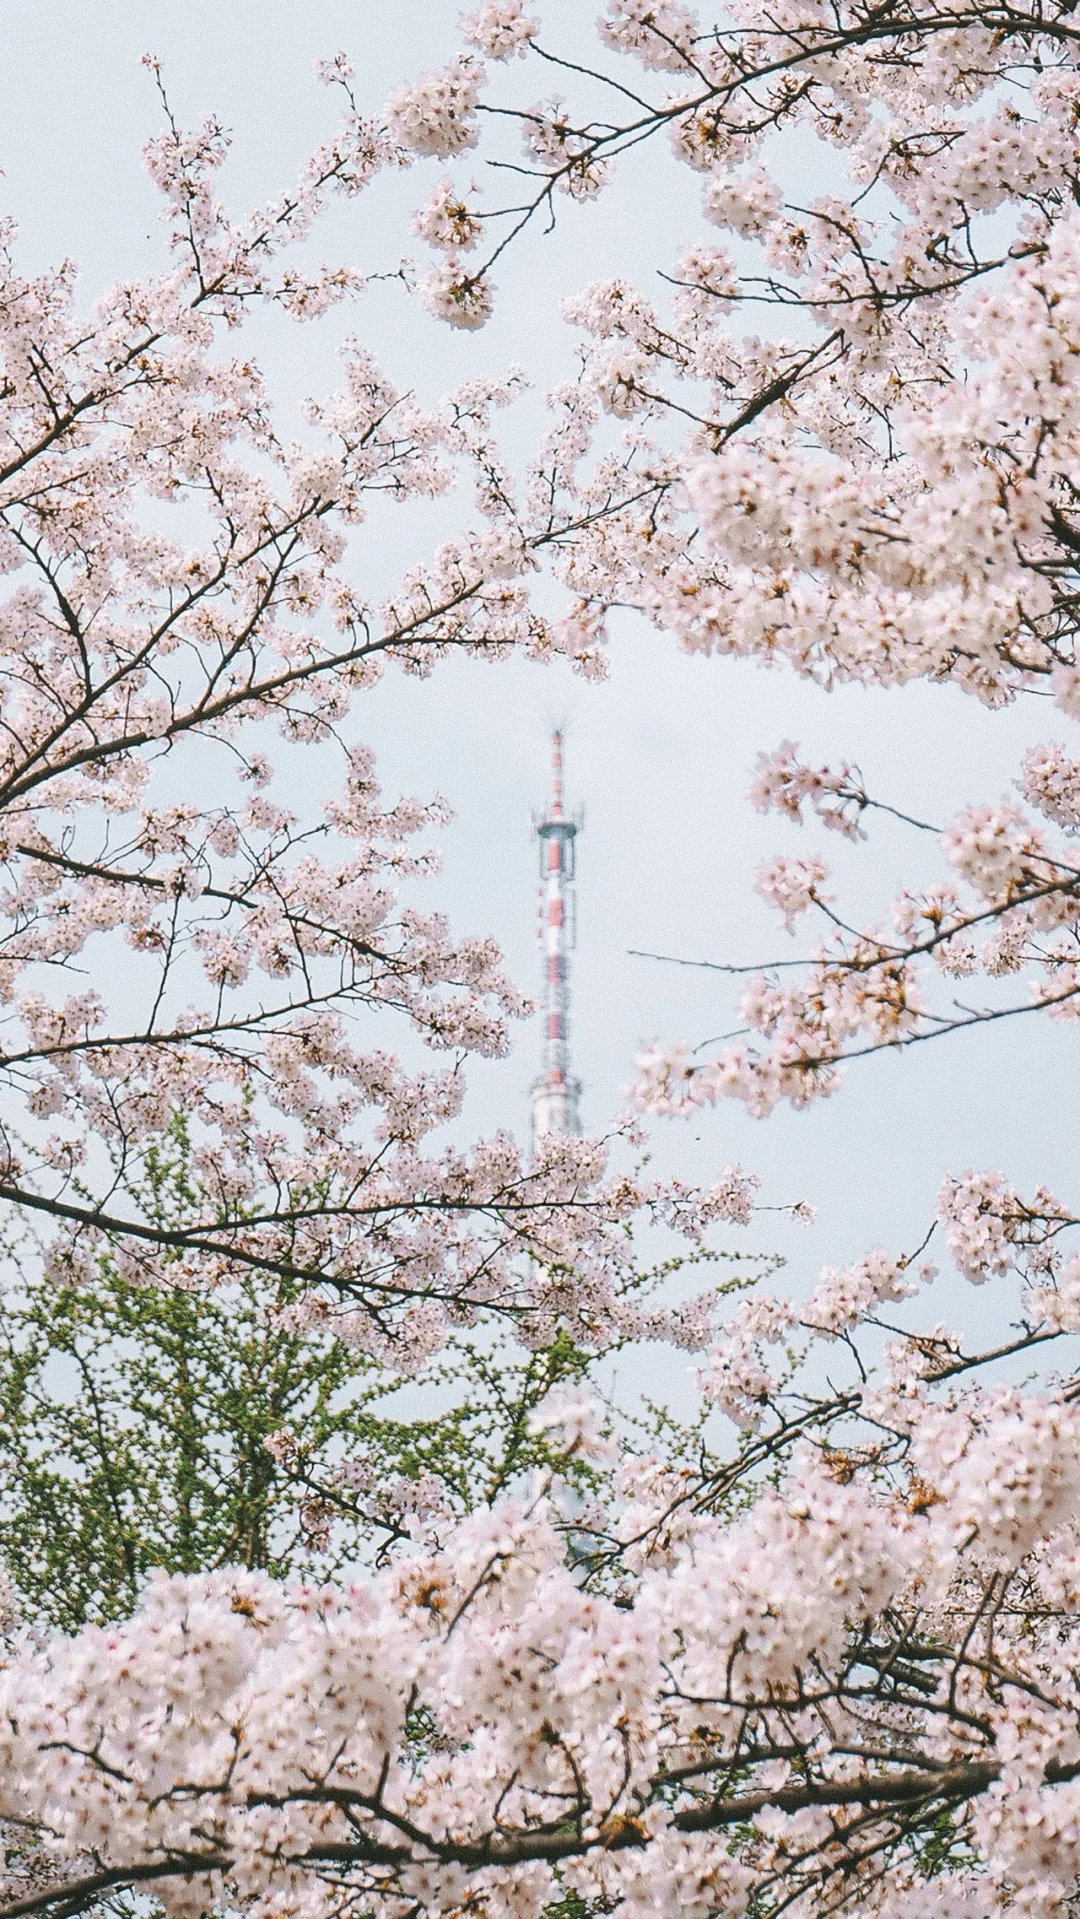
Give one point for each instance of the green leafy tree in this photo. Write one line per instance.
(144, 1428)
(134, 1430)
(149, 1426)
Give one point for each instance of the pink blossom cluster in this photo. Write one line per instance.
(1011, 907)
(501, 29)
(445, 220)
(794, 886)
(659, 32)
(783, 785)
(845, 1297)
(437, 114)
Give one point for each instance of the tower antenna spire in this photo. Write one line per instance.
(556, 1093)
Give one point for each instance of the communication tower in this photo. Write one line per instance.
(556, 1093)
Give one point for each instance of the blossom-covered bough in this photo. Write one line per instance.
(1011, 908)
(880, 484)
(179, 594)
(832, 1663)
(834, 1670)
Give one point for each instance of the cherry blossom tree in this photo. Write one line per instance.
(878, 487)
(823, 1656)
(179, 595)
(836, 1666)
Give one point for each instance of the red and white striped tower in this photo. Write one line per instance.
(556, 1093)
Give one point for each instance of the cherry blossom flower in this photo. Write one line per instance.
(501, 29)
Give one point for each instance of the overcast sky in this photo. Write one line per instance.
(662, 754)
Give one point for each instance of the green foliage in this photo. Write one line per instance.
(133, 1429)
(478, 1447)
(135, 1420)
(134, 1426)
(153, 1426)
